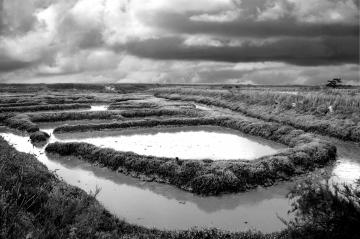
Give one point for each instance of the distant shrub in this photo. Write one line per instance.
(39, 136)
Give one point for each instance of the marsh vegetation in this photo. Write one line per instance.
(35, 203)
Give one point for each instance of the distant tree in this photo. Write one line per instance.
(334, 83)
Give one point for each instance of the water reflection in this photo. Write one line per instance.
(185, 142)
(347, 168)
(346, 171)
(98, 108)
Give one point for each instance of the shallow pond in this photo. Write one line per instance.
(163, 206)
(185, 142)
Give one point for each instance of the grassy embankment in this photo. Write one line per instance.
(27, 121)
(23, 122)
(144, 104)
(206, 176)
(132, 105)
(47, 98)
(44, 107)
(36, 204)
(306, 111)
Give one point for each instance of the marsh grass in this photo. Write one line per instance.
(307, 111)
(325, 210)
(44, 107)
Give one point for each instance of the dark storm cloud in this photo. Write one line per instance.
(216, 76)
(134, 40)
(298, 51)
(17, 16)
(8, 64)
(79, 36)
(286, 26)
(1, 16)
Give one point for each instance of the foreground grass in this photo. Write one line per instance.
(325, 210)
(308, 111)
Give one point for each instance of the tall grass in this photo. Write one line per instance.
(305, 101)
(310, 112)
(325, 210)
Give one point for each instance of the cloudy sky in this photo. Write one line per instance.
(179, 41)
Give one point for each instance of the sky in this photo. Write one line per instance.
(179, 41)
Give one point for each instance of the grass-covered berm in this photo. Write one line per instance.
(132, 105)
(23, 122)
(27, 121)
(33, 108)
(330, 112)
(208, 177)
(39, 136)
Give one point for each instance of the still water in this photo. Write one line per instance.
(186, 142)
